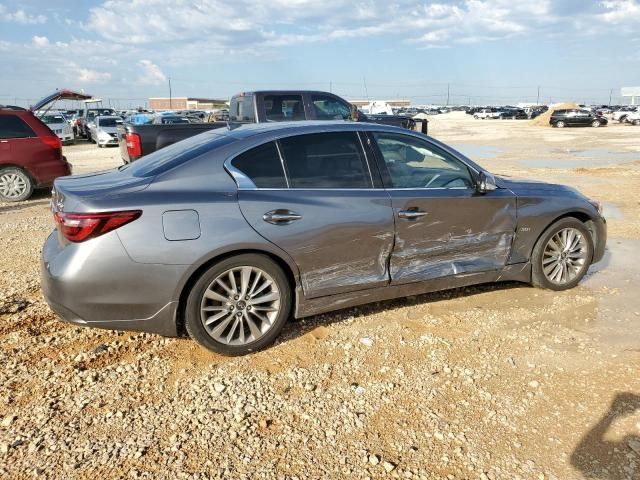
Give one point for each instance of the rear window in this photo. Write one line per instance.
(282, 108)
(13, 127)
(241, 109)
(325, 160)
(169, 157)
(262, 165)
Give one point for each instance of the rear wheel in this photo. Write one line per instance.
(15, 185)
(562, 255)
(636, 122)
(239, 305)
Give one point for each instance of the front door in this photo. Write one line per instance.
(324, 212)
(444, 226)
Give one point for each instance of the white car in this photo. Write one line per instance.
(58, 125)
(104, 130)
(633, 118)
(622, 115)
(487, 113)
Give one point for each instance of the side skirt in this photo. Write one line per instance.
(520, 272)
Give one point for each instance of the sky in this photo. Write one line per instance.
(479, 51)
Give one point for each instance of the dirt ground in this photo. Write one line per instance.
(489, 382)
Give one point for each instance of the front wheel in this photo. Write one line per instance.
(595, 123)
(560, 124)
(15, 185)
(562, 255)
(239, 305)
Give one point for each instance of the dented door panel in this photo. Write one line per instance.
(460, 232)
(340, 239)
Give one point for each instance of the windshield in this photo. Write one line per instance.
(173, 155)
(109, 122)
(52, 119)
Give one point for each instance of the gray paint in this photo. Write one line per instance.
(348, 247)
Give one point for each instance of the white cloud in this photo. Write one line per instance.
(86, 75)
(40, 41)
(150, 73)
(20, 16)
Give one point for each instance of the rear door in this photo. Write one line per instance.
(443, 226)
(315, 197)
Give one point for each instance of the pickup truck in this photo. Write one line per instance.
(254, 107)
(487, 113)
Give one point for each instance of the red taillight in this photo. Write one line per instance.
(52, 141)
(78, 227)
(134, 148)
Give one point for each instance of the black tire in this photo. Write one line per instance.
(595, 123)
(12, 174)
(560, 124)
(636, 122)
(194, 325)
(622, 119)
(538, 278)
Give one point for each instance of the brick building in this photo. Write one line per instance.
(186, 103)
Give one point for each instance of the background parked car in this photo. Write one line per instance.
(30, 154)
(89, 116)
(59, 125)
(576, 118)
(104, 130)
(485, 113)
(622, 114)
(633, 118)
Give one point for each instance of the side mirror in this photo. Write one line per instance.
(486, 183)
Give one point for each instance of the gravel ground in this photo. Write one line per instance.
(489, 382)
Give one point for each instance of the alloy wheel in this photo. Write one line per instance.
(564, 256)
(12, 185)
(240, 305)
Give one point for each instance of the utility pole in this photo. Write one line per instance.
(447, 94)
(330, 85)
(610, 93)
(538, 97)
(366, 92)
(170, 106)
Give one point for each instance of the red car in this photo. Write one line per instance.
(30, 153)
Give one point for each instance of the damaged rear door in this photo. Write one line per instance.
(444, 226)
(313, 196)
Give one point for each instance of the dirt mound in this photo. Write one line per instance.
(543, 120)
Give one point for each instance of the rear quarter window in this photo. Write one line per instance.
(262, 166)
(11, 126)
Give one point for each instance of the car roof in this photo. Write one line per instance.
(307, 126)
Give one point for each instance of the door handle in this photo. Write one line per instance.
(281, 217)
(411, 214)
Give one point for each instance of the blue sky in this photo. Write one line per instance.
(488, 51)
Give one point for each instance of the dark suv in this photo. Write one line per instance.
(576, 118)
(30, 154)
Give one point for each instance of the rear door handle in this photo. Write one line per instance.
(281, 217)
(411, 214)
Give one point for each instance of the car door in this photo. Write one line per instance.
(444, 226)
(313, 196)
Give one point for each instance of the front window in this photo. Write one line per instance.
(414, 163)
(325, 160)
(330, 108)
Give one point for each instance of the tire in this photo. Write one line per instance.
(231, 307)
(476, 117)
(595, 123)
(622, 119)
(560, 124)
(636, 122)
(15, 185)
(544, 263)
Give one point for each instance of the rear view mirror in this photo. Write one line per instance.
(486, 183)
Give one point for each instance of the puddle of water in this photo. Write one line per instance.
(594, 157)
(611, 211)
(475, 151)
(614, 282)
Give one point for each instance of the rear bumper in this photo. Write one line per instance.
(95, 284)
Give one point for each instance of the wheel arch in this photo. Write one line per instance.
(22, 168)
(584, 217)
(287, 267)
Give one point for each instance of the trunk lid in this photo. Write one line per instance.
(79, 192)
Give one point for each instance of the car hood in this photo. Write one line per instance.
(525, 187)
(108, 129)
